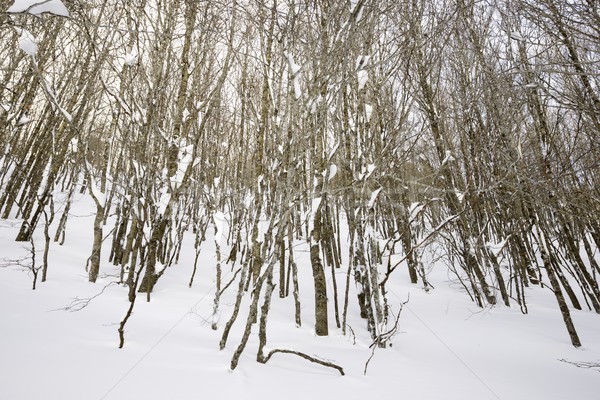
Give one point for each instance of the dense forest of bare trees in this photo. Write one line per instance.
(380, 133)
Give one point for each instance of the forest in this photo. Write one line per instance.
(380, 136)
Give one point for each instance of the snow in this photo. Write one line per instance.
(353, 9)
(39, 7)
(367, 171)
(219, 218)
(184, 157)
(496, 248)
(73, 145)
(315, 103)
(446, 349)
(24, 119)
(297, 89)
(362, 61)
(374, 198)
(368, 112)
(460, 196)
(448, 157)
(294, 68)
(333, 149)
(316, 203)
(332, 172)
(99, 195)
(295, 73)
(363, 77)
(47, 85)
(163, 202)
(44, 181)
(28, 43)
(517, 36)
(130, 59)
(414, 211)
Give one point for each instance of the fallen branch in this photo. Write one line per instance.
(594, 366)
(306, 357)
(78, 304)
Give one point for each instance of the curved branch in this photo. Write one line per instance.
(306, 357)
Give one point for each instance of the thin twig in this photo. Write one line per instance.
(78, 304)
(594, 366)
(384, 338)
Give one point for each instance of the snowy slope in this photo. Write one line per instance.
(446, 348)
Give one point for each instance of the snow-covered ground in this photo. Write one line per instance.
(446, 347)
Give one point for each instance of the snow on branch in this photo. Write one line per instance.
(39, 7)
(27, 42)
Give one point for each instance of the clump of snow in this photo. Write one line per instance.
(130, 59)
(295, 73)
(449, 157)
(315, 103)
(163, 202)
(39, 7)
(363, 77)
(366, 171)
(374, 197)
(332, 171)
(184, 158)
(297, 90)
(368, 112)
(44, 182)
(459, 195)
(23, 120)
(316, 203)
(294, 68)
(219, 219)
(28, 43)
